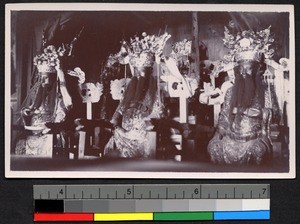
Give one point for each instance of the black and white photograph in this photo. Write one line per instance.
(115, 90)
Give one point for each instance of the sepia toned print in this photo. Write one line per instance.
(150, 91)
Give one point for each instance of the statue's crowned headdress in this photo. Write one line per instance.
(47, 61)
(181, 48)
(141, 51)
(248, 45)
(180, 53)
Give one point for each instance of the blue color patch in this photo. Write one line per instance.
(242, 215)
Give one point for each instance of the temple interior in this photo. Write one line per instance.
(190, 99)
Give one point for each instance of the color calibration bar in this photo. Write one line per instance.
(151, 202)
(154, 216)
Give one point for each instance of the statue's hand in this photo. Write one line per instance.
(218, 136)
(58, 66)
(159, 58)
(60, 72)
(114, 122)
(67, 101)
(266, 121)
(27, 111)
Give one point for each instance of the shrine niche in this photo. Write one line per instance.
(109, 89)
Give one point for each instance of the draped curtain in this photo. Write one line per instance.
(22, 56)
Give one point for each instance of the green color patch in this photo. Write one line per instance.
(160, 216)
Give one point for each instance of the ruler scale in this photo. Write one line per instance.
(151, 202)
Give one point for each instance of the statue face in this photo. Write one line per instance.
(47, 79)
(247, 68)
(139, 71)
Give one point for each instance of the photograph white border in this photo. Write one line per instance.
(149, 7)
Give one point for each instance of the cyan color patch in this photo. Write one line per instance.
(242, 215)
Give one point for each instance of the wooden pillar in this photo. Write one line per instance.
(195, 47)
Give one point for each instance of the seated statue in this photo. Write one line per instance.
(50, 102)
(242, 135)
(139, 104)
(50, 96)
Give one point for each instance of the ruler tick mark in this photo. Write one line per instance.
(132, 191)
(200, 191)
(238, 193)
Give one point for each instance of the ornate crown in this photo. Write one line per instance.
(181, 48)
(180, 53)
(47, 61)
(142, 51)
(248, 45)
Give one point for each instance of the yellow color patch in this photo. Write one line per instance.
(123, 216)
